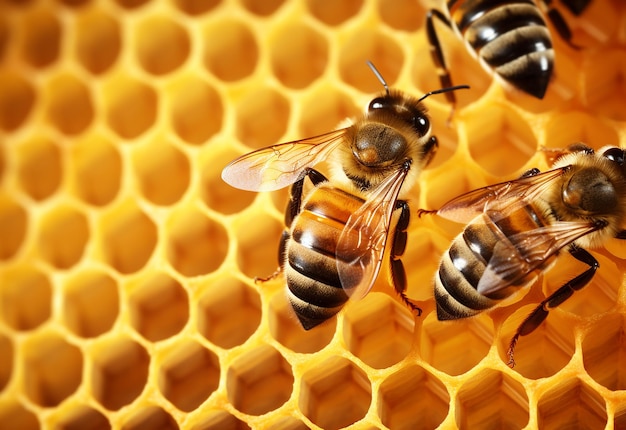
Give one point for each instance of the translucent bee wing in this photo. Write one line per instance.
(362, 242)
(279, 166)
(504, 197)
(524, 252)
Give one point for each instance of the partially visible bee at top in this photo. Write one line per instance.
(509, 37)
(335, 235)
(517, 228)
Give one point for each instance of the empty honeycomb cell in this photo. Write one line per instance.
(129, 237)
(262, 117)
(443, 344)
(299, 55)
(119, 371)
(553, 338)
(492, 399)
(324, 109)
(162, 45)
(196, 244)
(81, 417)
(378, 330)
(571, 127)
(25, 297)
(402, 15)
(216, 193)
(13, 226)
(570, 402)
(39, 167)
(259, 381)
(224, 37)
(95, 169)
(159, 306)
(188, 374)
(197, 110)
(63, 235)
(131, 106)
(335, 393)
(219, 419)
(229, 312)
(196, 7)
(41, 38)
(262, 8)
(334, 13)
(148, 418)
(499, 140)
(255, 236)
(604, 349)
(286, 329)
(163, 172)
(70, 107)
(6, 360)
(53, 368)
(17, 97)
(412, 398)
(18, 416)
(604, 86)
(381, 50)
(90, 303)
(98, 40)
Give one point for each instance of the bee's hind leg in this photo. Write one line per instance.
(540, 313)
(398, 274)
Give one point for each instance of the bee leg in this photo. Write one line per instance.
(621, 234)
(540, 313)
(398, 274)
(436, 52)
(559, 23)
(293, 208)
(576, 6)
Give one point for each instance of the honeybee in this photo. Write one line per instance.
(335, 235)
(509, 37)
(517, 228)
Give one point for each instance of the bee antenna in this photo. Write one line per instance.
(444, 90)
(378, 75)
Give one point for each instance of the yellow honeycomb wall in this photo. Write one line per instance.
(127, 297)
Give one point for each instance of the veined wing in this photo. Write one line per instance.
(524, 252)
(281, 165)
(362, 242)
(504, 197)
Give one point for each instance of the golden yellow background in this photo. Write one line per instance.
(126, 265)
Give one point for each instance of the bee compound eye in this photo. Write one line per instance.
(377, 103)
(421, 124)
(615, 154)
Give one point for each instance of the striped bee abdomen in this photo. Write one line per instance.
(313, 285)
(464, 263)
(511, 37)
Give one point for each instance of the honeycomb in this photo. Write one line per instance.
(127, 293)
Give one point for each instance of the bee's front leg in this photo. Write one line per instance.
(398, 274)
